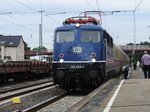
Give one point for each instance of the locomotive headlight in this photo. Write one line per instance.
(77, 25)
(61, 60)
(93, 60)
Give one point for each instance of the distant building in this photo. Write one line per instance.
(11, 48)
(137, 46)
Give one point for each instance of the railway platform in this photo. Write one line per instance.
(131, 95)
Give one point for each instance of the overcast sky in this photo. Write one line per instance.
(25, 18)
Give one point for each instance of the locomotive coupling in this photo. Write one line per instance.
(60, 74)
(93, 74)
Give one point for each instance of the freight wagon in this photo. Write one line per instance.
(23, 70)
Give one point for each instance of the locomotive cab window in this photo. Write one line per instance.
(64, 36)
(90, 36)
(111, 41)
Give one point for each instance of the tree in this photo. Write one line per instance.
(137, 55)
(130, 44)
(141, 43)
(26, 48)
(145, 43)
(40, 48)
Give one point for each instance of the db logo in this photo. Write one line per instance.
(77, 49)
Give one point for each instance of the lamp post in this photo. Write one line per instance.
(134, 19)
(41, 34)
(149, 36)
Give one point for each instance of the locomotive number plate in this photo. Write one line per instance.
(77, 66)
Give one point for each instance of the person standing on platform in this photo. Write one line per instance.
(145, 62)
(126, 71)
(138, 64)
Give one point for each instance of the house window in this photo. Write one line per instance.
(11, 43)
(7, 57)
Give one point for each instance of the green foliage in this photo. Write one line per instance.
(26, 46)
(141, 43)
(145, 43)
(137, 55)
(130, 44)
(40, 48)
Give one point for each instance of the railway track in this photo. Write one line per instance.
(74, 102)
(24, 90)
(16, 86)
(47, 99)
(71, 102)
(29, 97)
(45, 103)
(56, 97)
(10, 91)
(33, 101)
(16, 107)
(63, 104)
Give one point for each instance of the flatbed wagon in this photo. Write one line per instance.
(19, 70)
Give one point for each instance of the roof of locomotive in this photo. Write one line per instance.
(84, 26)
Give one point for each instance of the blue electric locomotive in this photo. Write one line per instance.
(84, 54)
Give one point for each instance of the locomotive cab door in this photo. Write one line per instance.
(109, 56)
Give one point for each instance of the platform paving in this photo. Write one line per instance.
(134, 94)
(120, 95)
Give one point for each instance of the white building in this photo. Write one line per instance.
(12, 48)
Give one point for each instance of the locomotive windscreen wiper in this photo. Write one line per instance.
(64, 40)
(91, 40)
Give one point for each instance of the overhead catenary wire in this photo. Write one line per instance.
(20, 25)
(21, 13)
(4, 13)
(16, 24)
(54, 4)
(34, 11)
(98, 7)
(134, 17)
(90, 5)
(41, 13)
(138, 5)
(26, 5)
(21, 3)
(47, 18)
